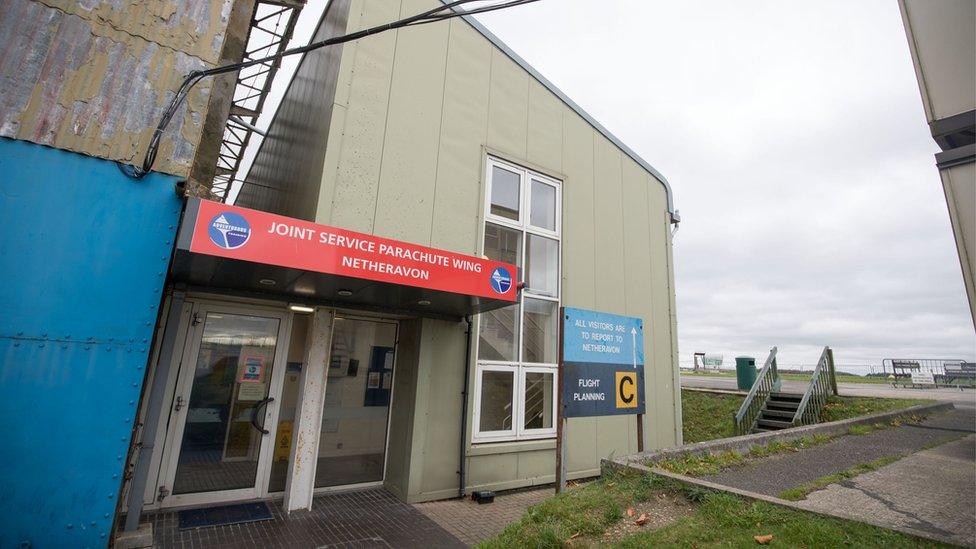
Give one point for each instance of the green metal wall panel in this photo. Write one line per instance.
(415, 112)
(508, 106)
(404, 205)
(356, 178)
(608, 251)
(544, 128)
(464, 121)
(579, 226)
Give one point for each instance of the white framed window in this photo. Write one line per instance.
(516, 373)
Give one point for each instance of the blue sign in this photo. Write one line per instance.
(589, 336)
(603, 364)
(501, 280)
(229, 230)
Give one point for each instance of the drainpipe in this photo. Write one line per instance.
(464, 406)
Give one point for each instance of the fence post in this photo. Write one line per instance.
(833, 374)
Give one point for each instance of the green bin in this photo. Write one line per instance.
(745, 372)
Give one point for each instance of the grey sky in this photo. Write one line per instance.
(794, 138)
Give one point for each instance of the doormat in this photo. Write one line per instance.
(223, 515)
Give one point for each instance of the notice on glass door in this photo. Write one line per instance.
(252, 370)
(247, 392)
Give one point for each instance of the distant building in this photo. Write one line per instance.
(942, 39)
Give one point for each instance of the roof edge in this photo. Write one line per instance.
(497, 42)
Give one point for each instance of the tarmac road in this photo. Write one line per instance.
(964, 398)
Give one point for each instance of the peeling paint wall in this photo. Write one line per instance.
(93, 76)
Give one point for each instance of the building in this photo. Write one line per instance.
(85, 250)
(942, 39)
(379, 306)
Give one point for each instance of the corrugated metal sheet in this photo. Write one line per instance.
(92, 76)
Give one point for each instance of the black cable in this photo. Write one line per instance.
(434, 15)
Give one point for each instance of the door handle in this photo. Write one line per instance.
(254, 415)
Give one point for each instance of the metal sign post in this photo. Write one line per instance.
(560, 413)
(640, 433)
(601, 372)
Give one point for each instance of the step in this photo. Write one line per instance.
(773, 424)
(782, 405)
(786, 396)
(783, 415)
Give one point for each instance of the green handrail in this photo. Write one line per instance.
(766, 383)
(822, 384)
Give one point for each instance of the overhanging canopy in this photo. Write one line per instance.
(227, 248)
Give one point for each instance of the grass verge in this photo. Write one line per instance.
(838, 408)
(859, 430)
(581, 512)
(800, 492)
(711, 463)
(582, 515)
(708, 416)
(798, 376)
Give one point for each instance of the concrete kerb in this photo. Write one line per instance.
(755, 496)
(743, 444)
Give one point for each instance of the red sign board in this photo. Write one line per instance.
(260, 237)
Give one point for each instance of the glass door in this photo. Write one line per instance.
(358, 394)
(225, 405)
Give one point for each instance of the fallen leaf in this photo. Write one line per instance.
(641, 520)
(576, 535)
(630, 512)
(763, 540)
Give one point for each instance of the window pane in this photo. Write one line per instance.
(543, 265)
(496, 401)
(503, 244)
(504, 193)
(543, 205)
(538, 400)
(539, 334)
(499, 334)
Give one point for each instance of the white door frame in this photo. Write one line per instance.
(177, 419)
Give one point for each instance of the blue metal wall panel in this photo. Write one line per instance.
(83, 258)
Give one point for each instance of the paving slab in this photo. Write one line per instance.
(776, 473)
(473, 523)
(933, 491)
(362, 518)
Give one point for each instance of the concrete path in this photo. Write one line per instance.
(933, 491)
(964, 398)
(779, 472)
